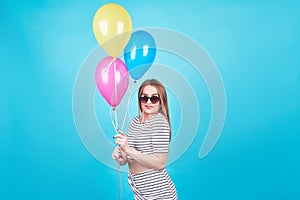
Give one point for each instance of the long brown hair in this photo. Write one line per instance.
(162, 96)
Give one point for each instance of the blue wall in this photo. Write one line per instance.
(255, 45)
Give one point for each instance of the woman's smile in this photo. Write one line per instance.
(148, 106)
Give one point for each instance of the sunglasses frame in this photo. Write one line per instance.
(153, 99)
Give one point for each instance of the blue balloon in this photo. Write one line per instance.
(139, 54)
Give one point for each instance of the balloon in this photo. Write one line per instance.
(139, 53)
(112, 28)
(112, 79)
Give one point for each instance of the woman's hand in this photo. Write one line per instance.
(121, 140)
(119, 155)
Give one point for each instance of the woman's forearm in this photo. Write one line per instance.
(153, 161)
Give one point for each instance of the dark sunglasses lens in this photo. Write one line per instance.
(154, 99)
(143, 99)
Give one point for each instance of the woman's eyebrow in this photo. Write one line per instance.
(145, 94)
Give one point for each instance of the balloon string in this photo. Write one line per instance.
(120, 195)
(114, 118)
(114, 121)
(113, 113)
(115, 83)
(131, 89)
(120, 183)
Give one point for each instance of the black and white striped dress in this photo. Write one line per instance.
(152, 136)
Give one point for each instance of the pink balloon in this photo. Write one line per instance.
(112, 79)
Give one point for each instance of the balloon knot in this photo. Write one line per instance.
(114, 58)
(113, 108)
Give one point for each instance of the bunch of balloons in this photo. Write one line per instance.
(112, 28)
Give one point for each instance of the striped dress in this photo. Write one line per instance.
(150, 137)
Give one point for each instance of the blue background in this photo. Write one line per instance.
(255, 45)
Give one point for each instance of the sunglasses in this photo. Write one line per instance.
(153, 99)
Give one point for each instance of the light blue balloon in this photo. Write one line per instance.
(139, 54)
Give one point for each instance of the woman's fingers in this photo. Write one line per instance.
(121, 132)
(120, 138)
(122, 135)
(120, 142)
(115, 155)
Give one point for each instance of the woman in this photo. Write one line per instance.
(145, 149)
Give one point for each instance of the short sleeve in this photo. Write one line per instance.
(132, 131)
(160, 134)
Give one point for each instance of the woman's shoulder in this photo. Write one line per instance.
(159, 124)
(159, 118)
(134, 123)
(135, 120)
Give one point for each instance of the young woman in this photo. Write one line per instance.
(145, 149)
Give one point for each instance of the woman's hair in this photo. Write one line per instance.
(162, 96)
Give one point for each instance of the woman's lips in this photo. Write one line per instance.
(148, 107)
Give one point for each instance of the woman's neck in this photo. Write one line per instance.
(145, 117)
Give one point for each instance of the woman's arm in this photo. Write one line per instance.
(154, 161)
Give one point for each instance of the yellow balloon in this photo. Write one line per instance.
(112, 28)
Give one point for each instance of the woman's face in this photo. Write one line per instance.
(150, 107)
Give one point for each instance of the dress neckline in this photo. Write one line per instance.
(149, 119)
